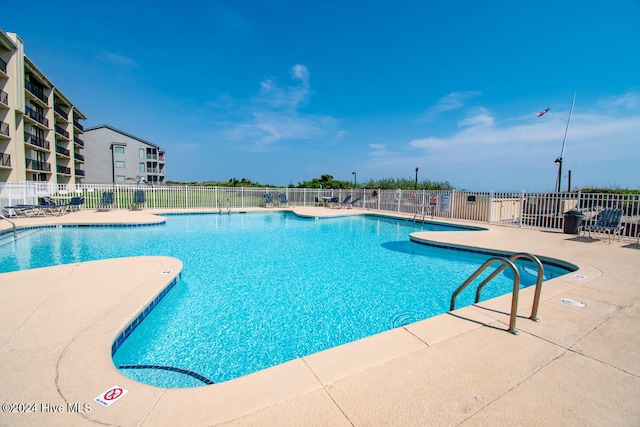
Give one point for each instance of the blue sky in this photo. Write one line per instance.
(283, 91)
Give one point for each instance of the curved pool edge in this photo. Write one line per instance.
(301, 382)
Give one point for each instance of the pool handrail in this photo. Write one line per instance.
(15, 233)
(540, 277)
(516, 288)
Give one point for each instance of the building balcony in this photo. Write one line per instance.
(34, 115)
(5, 160)
(152, 170)
(78, 141)
(152, 157)
(79, 172)
(36, 140)
(4, 129)
(63, 170)
(36, 91)
(63, 151)
(79, 157)
(4, 98)
(78, 125)
(61, 132)
(58, 109)
(37, 165)
(3, 67)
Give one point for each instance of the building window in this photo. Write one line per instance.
(120, 178)
(142, 153)
(142, 168)
(118, 150)
(119, 164)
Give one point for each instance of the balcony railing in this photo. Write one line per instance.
(63, 151)
(79, 172)
(152, 156)
(78, 141)
(78, 156)
(4, 128)
(78, 125)
(63, 170)
(58, 109)
(61, 131)
(39, 93)
(38, 165)
(36, 116)
(152, 170)
(5, 160)
(4, 98)
(3, 66)
(36, 140)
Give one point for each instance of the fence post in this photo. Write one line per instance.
(490, 207)
(521, 209)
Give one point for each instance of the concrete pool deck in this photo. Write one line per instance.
(577, 366)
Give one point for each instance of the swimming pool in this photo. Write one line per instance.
(261, 289)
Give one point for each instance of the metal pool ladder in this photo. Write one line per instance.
(15, 234)
(516, 285)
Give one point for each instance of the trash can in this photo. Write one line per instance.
(572, 221)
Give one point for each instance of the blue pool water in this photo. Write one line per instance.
(257, 290)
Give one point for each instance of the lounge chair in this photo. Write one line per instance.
(333, 202)
(107, 201)
(74, 204)
(283, 199)
(21, 210)
(345, 202)
(609, 222)
(138, 200)
(268, 200)
(354, 202)
(48, 205)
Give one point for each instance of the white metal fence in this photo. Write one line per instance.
(536, 210)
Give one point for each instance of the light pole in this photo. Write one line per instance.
(355, 181)
(415, 187)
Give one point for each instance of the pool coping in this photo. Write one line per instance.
(312, 382)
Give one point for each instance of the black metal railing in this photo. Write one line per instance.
(36, 116)
(78, 125)
(37, 165)
(3, 66)
(5, 160)
(4, 97)
(58, 109)
(79, 172)
(78, 141)
(78, 156)
(63, 169)
(63, 151)
(35, 90)
(4, 128)
(61, 131)
(32, 139)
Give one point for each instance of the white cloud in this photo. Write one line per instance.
(116, 59)
(450, 102)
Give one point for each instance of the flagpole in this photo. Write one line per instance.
(564, 140)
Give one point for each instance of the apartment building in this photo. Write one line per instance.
(114, 156)
(40, 129)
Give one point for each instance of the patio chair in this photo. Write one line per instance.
(345, 202)
(138, 200)
(74, 204)
(354, 203)
(609, 222)
(48, 206)
(107, 201)
(283, 199)
(268, 200)
(333, 202)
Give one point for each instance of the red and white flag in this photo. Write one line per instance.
(543, 112)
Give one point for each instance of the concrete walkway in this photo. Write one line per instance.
(577, 366)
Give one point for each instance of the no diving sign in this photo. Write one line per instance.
(111, 396)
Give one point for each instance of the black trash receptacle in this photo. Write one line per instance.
(572, 221)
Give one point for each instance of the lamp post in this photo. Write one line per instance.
(355, 181)
(558, 162)
(415, 187)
